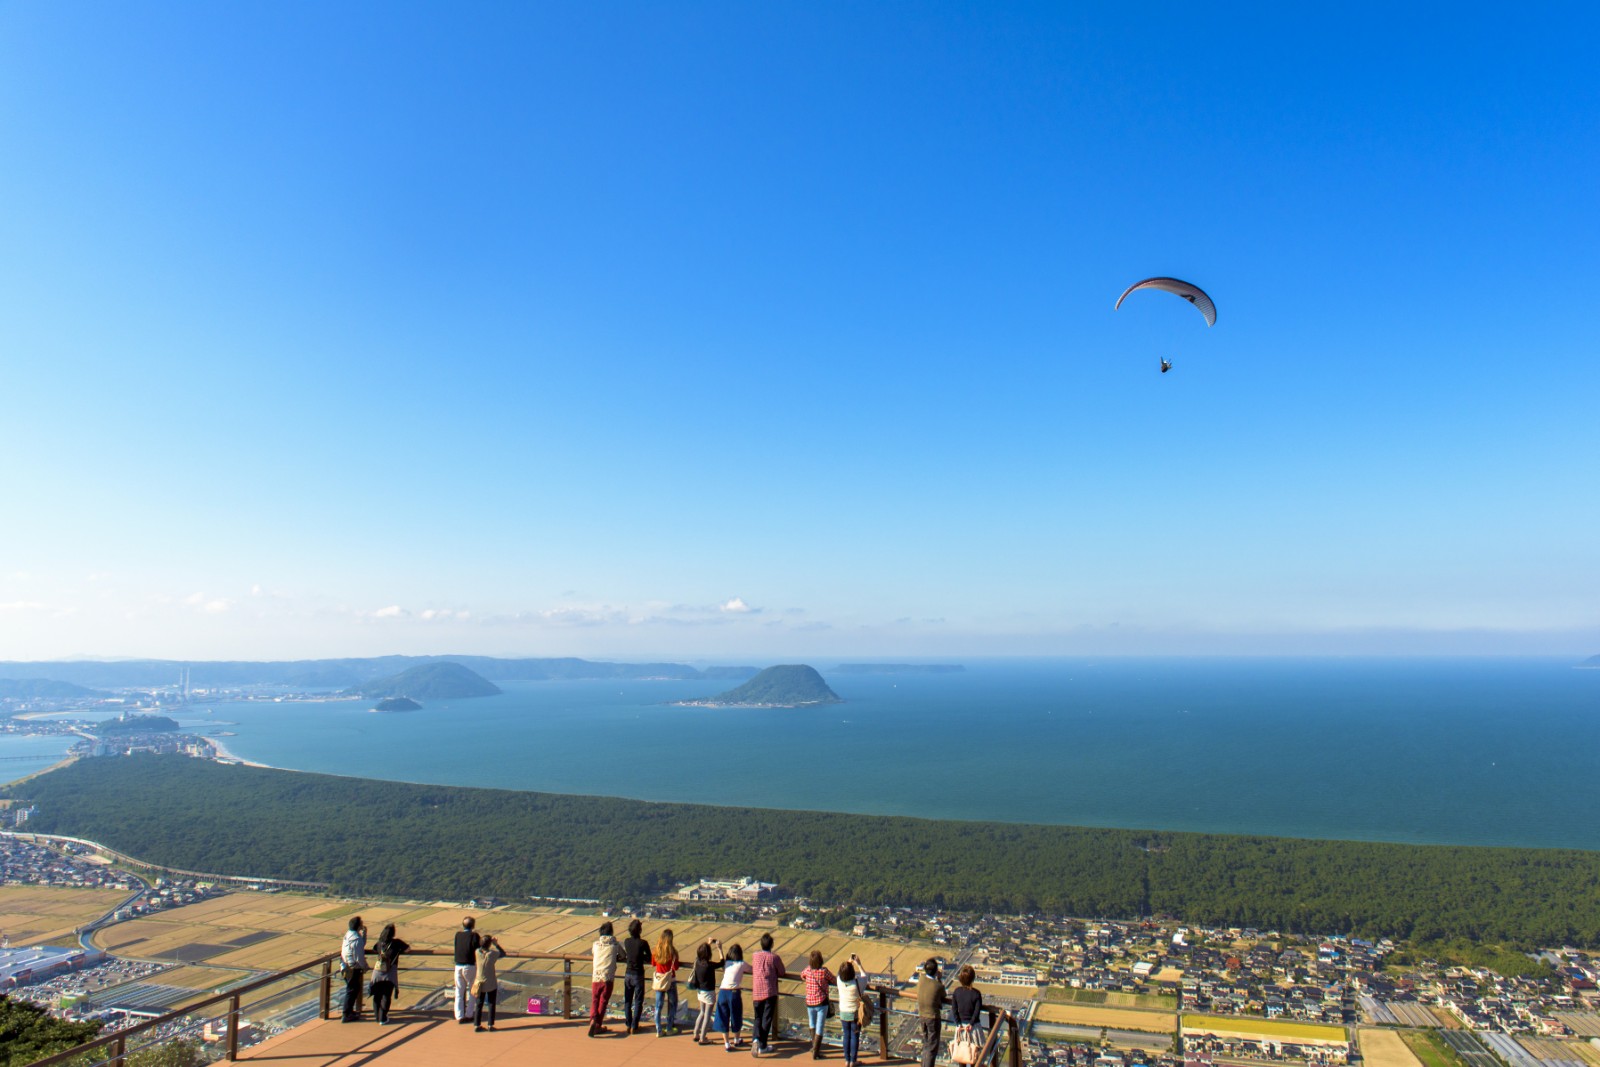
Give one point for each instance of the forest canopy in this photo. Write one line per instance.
(367, 837)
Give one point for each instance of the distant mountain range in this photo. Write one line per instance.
(787, 686)
(431, 681)
(898, 668)
(42, 689)
(335, 673)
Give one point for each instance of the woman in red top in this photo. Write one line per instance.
(666, 985)
(818, 980)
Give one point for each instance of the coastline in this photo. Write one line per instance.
(225, 755)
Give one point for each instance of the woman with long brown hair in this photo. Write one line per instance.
(666, 984)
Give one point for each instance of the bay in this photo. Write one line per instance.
(1484, 752)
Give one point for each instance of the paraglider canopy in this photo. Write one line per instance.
(1192, 293)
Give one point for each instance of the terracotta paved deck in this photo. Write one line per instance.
(432, 1039)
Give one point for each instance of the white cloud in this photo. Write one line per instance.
(442, 614)
(218, 606)
(393, 611)
(18, 606)
(255, 590)
(737, 606)
(194, 600)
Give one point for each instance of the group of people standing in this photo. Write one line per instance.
(720, 996)
(477, 988)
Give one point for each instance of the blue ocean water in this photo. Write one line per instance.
(1418, 750)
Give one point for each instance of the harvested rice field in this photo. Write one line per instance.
(36, 915)
(1109, 1018)
(1251, 1029)
(1384, 1048)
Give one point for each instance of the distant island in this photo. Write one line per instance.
(1590, 664)
(431, 681)
(787, 686)
(395, 704)
(42, 689)
(898, 668)
(137, 724)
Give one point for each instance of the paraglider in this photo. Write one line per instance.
(1190, 292)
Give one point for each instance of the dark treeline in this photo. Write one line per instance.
(391, 838)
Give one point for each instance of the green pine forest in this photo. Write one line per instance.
(367, 837)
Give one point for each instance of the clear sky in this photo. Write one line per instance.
(785, 329)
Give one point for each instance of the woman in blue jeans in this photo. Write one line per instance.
(730, 997)
(819, 984)
(850, 979)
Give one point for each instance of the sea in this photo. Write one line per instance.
(1445, 751)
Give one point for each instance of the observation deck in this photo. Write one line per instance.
(292, 1018)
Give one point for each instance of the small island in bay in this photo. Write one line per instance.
(395, 704)
(1590, 664)
(898, 668)
(430, 681)
(788, 686)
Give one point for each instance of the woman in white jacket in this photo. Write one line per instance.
(353, 954)
(851, 978)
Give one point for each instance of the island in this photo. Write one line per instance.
(898, 668)
(792, 685)
(395, 704)
(430, 681)
(137, 724)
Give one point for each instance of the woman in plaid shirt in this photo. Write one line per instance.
(818, 979)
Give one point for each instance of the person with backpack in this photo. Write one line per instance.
(386, 975)
(853, 1006)
(819, 983)
(636, 956)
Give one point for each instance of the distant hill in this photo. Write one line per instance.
(42, 689)
(137, 724)
(432, 681)
(1592, 663)
(787, 686)
(735, 673)
(324, 673)
(898, 668)
(396, 704)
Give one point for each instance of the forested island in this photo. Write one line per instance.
(792, 685)
(396, 704)
(431, 681)
(1592, 663)
(199, 815)
(137, 724)
(899, 668)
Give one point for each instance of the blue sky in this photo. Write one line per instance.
(785, 329)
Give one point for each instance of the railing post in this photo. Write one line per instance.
(121, 1047)
(883, 1024)
(1014, 1057)
(566, 989)
(233, 1027)
(325, 998)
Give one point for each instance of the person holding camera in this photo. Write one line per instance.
(485, 986)
(852, 976)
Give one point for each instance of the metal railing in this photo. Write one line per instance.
(115, 1048)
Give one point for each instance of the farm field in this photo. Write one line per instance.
(1385, 1048)
(1410, 1013)
(1258, 1029)
(1586, 1023)
(1548, 1048)
(1429, 1048)
(271, 931)
(1160, 1022)
(1108, 999)
(36, 915)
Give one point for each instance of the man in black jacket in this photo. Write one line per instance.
(466, 969)
(636, 955)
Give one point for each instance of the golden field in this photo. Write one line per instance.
(35, 915)
(1250, 1029)
(1111, 1018)
(1384, 1048)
